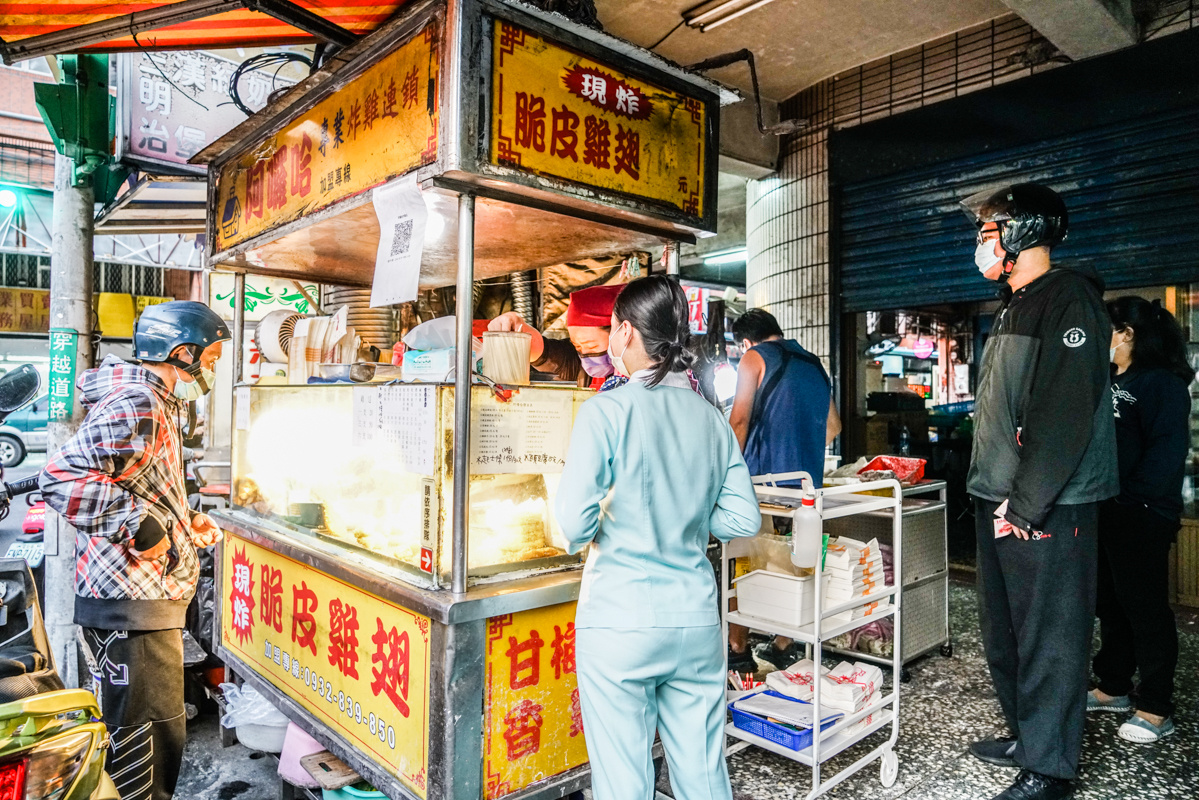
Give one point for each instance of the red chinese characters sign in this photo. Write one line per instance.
(357, 662)
(381, 124)
(533, 723)
(560, 114)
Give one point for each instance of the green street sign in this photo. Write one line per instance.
(64, 346)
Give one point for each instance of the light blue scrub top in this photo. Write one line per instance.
(649, 473)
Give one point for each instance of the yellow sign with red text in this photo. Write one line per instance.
(561, 114)
(358, 663)
(532, 724)
(378, 126)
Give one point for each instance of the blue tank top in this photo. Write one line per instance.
(790, 414)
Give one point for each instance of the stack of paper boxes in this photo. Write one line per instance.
(853, 570)
(850, 688)
(847, 688)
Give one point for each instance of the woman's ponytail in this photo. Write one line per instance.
(657, 307)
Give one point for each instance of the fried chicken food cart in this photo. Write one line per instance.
(418, 624)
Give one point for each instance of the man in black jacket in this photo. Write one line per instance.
(1044, 456)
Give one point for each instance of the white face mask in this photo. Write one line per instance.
(617, 361)
(1112, 352)
(190, 392)
(984, 256)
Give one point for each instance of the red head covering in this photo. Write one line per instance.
(592, 307)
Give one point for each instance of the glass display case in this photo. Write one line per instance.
(371, 467)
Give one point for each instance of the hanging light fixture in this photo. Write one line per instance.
(724, 12)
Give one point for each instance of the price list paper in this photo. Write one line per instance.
(401, 418)
(528, 434)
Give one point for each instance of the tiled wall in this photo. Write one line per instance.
(787, 231)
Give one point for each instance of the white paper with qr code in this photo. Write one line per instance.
(402, 214)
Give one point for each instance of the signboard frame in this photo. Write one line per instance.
(457, 649)
(407, 25)
(463, 160)
(370, 769)
(127, 87)
(628, 60)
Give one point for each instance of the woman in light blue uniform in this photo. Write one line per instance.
(652, 469)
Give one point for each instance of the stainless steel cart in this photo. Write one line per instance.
(925, 568)
(839, 502)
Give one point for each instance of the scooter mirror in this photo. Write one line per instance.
(18, 387)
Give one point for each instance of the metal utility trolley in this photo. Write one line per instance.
(390, 575)
(838, 502)
(925, 568)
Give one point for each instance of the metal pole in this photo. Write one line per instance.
(672, 259)
(70, 309)
(239, 325)
(462, 381)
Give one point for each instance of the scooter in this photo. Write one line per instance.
(29, 543)
(17, 388)
(52, 742)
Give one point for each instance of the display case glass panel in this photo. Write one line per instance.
(371, 467)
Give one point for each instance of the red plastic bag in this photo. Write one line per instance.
(908, 471)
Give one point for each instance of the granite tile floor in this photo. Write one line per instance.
(949, 702)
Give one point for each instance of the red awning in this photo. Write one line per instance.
(241, 27)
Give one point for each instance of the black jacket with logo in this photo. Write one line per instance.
(1043, 429)
(1153, 411)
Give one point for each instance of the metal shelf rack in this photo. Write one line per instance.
(832, 503)
(926, 569)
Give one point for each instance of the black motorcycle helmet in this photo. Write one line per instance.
(166, 326)
(1029, 215)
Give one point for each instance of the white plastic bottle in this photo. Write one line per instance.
(807, 531)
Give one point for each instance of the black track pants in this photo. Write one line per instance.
(1135, 618)
(138, 679)
(1037, 601)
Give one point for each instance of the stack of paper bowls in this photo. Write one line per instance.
(377, 326)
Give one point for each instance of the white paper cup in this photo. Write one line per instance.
(506, 357)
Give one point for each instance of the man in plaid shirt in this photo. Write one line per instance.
(119, 481)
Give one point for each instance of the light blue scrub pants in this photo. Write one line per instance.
(635, 681)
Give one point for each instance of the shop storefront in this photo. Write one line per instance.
(914, 312)
(417, 624)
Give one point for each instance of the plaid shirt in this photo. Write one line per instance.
(122, 466)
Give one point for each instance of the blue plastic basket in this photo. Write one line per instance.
(772, 731)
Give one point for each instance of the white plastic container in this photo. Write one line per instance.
(266, 738)
(771, 596)
(506, 357)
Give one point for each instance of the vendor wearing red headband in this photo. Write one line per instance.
(588, 321)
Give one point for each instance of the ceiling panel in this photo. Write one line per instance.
(796, 42)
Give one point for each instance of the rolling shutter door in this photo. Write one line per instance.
(1132, 190)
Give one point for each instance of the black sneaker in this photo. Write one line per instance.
(1035, 786)
(779, 659)
(742, 663)
(999, 751)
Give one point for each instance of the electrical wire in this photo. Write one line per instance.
(669, 33)
(258, 62)
(150, 56)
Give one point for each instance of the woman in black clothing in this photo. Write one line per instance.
(1152, 404)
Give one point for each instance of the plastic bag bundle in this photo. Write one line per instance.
(772, 554)
(245, 706)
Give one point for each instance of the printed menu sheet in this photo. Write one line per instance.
(401, 417)
(528, 434)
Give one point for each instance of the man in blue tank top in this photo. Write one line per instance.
(783, 413)
(784, 417)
